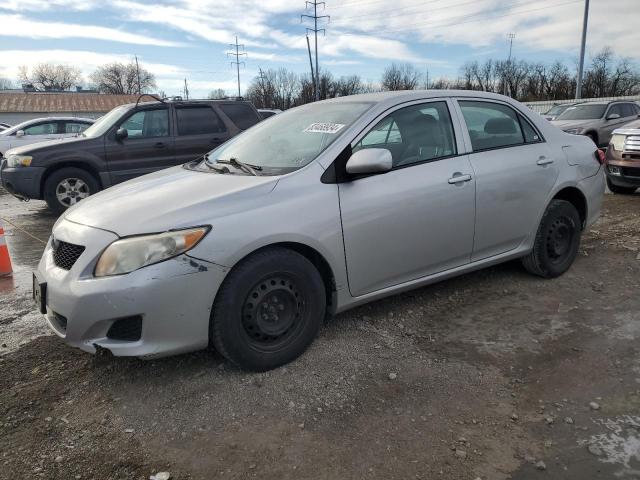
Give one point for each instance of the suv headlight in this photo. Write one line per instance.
(573, 131)
(14, 161)
(129, 254)
(617, 142)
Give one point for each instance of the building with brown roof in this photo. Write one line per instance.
(18, 106)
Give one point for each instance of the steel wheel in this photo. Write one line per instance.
(559, 239)
(71, 190)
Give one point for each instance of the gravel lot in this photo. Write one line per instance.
(492, 375)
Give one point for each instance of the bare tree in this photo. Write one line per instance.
(5, 83)
(123, 78)
(400, 77)
(50, 76)
(217, 94)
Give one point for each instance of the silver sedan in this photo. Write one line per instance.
(311, 212)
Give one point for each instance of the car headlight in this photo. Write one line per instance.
(129, 254)
(14, 161)
(574, 131)
(617, 142)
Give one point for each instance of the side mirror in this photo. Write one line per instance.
(20, 133)
(370, 160)
(613, 116)
(121, 133)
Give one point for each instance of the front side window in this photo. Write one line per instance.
(414, 134)
(491, 125)
(42, 129)
(241, 114)
(147, 123)
(198, 121)
(75, 127)
(615, 110)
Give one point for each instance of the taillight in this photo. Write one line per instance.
(600, 156)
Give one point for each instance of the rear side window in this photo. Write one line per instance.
(491, 125)
(241, 114)
(75, 127)
(198, 121)
(628, 110)
(530, 135)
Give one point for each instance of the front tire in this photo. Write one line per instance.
(621, 190)
(268, 310)
(67, 186)
(557, 241)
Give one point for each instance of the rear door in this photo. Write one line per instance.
(148, 147)
(515, 171)
(199, 130)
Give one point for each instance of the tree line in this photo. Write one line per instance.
(605, 76)
(114, 78)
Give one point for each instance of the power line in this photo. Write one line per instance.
(315, 30)
(237, 63)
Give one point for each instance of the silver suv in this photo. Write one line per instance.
(319, 209)
(596, 120)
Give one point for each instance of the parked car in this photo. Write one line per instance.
(323, 207)
(623, 159)
(268, 112)
(596, 120)
(129, 141)
(4, 126)
(42, 129)
(556, 110)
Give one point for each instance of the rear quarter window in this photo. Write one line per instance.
(241, 114)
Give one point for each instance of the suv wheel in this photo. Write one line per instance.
(622, 190)
(557, 241)
(67, 186)
(268, 309)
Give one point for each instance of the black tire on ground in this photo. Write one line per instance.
(268, 310)
(621, 190)
(82, 184)
(557, 241)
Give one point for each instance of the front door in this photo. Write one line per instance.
(417, 219)
(514, 170)
(149, 145)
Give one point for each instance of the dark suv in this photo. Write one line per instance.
(129, 141)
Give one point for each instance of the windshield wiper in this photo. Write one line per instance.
(245, 167)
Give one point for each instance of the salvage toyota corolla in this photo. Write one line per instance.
(311, 212)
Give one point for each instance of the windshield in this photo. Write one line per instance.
(105, 122)
(582, 112)
(290, 140)
(557, 109)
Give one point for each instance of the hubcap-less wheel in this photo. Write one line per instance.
(272, 311)
(71, 190)
(559, 239)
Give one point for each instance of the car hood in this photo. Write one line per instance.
(170, 199)
(44, 145)
(566, 124)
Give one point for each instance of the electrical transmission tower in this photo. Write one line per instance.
(263, 90)
(315, 17)
(186, 90)
(237, 63)
(510, 36)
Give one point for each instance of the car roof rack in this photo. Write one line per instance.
(155, 97)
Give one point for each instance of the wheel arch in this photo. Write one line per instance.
(593, 134)
(82, 165)
(574, 196)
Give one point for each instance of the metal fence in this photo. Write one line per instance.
(542, 107)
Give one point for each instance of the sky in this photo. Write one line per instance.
(189, 38)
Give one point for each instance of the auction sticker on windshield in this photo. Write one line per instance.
(324, 128)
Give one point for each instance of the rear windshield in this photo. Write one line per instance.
(241, 114)
(582, 112)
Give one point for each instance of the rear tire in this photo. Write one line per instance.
(620, 190)
(557, 241)
(268, 310)
(67, 186)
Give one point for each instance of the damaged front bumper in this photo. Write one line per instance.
(158, 310)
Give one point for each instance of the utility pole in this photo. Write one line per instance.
(313, 78)
(315, 30)
(138, 74)
(583, 43)
(186, 90)
(237, 63)
(510, 36)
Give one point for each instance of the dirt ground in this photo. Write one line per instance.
(493, 375)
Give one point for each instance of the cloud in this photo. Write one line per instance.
(19, 26)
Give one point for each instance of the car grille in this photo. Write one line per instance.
(66, 254)
(630, 171)
(128, 329)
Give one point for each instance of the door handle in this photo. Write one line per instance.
(216, 140)
(544, 161)
(159, 145)
(459, 178)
